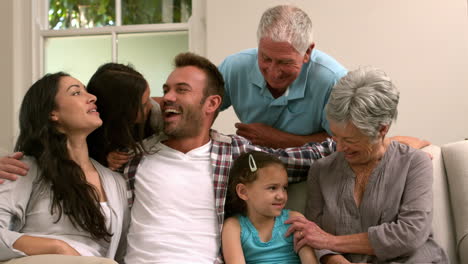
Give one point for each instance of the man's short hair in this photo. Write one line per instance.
(215, 81)
(286, 23)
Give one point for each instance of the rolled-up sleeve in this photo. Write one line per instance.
(14, 198)
(7, 239)
(412, 226)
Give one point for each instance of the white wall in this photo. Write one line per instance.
(6, 75)
(421, 44)
(15, 66)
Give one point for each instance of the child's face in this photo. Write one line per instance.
(267, 195)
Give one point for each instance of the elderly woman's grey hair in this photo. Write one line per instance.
(285, 23)
(367, 98)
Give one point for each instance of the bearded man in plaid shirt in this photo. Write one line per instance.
(180, 188)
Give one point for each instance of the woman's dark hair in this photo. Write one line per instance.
(39, 137)
(241, 172)
(119, 89)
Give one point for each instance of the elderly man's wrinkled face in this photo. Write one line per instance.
(280, 64)
(358, 148)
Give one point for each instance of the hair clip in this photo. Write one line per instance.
(252, 165)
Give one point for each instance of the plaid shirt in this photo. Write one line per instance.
(225, 149)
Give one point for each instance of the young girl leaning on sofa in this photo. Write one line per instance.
(255, 230)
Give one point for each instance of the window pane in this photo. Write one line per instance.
(152, 54)
(81, 13)
(78, 56)
(155, 12)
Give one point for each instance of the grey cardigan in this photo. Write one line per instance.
(396, 208)
(25, 209)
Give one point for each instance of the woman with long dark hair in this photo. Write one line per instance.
(68, 204)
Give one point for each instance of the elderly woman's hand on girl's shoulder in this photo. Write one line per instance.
(307, 233)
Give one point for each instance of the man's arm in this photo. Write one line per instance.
(11, 167)
(411, 141)
(267, 136)
(264, 135)
(297, 160)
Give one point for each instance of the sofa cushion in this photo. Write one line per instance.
(456, 165)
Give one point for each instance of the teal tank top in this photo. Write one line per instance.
(279, 249)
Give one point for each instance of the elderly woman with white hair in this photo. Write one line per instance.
(370, 202)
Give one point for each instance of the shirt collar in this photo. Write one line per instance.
(218, 137)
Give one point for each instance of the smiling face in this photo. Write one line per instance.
(75, 110)
(183, 106)
(267, 195)
(357, 148)
(280, 63)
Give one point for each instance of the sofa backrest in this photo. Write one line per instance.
(442, 221)
(455, 157)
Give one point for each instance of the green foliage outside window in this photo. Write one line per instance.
(81, 13)
(95, 13)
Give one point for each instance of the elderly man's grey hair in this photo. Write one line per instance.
(367, 98)
(285, 23)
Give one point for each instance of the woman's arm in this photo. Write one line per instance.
(231, 242)
(14, 199)
(31, 245)
(312, 235)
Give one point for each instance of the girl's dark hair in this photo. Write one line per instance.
(71, 194)
(241, 173)
(119, 89)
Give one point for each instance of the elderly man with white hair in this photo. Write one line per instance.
(279, 90)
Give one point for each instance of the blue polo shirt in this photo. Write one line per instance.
(300, 110)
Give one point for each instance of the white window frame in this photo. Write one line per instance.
(40, 31)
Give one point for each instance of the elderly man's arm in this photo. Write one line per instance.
(413, 142)
(267, 136)
(264, 135)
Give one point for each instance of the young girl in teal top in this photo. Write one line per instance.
(255, 232)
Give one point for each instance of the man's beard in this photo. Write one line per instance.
(189, 124)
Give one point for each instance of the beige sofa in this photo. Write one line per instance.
(450, 222)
